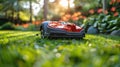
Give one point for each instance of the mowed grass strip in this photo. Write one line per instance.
(16, 36)
(29, 50)
(8, 34)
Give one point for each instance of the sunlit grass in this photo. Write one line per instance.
(26, 49)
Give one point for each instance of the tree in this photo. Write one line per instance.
(104, 2)
(30, 8)
(45, 9)
(18, 10)
(13, 6)
(68, 6)
(30, 11)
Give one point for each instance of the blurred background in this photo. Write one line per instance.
(22, 46)
(28, 14)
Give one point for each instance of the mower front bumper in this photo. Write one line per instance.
(64, 34)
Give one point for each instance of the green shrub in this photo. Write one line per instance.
(104, 23)
(31, 27)
(8, 26)
(3, 20)
(21, 28)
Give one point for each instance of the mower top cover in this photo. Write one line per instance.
(69, 27)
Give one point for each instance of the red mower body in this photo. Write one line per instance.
(61, 29)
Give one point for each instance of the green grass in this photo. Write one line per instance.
(25, 49)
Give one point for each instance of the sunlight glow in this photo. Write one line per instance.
(64, 3)
(51, 0)
(36, 7)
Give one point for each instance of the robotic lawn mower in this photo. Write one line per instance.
(61, 29)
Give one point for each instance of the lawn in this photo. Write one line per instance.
(26, 49)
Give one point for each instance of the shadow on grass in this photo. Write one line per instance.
(95, 39)
(61, 41)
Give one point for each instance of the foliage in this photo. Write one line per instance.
(23, 27)
(15, 10)
(27, 27)
(25, 17)
(20, 28)
(85, 5)
(75, 17)
(3, 20)
(105, 23)
(31, 27)
(112, 8)
(25, 49)
(8, 26)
